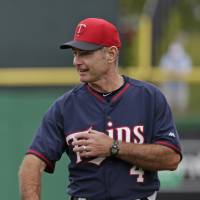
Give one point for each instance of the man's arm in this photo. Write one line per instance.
(30, 177)
(149, 156)
(146, 156)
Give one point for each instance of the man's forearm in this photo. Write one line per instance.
(30, 178)
(30, 185)
(149, 156)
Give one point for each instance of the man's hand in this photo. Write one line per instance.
(92, 143)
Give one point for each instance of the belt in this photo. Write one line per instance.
(83, 198)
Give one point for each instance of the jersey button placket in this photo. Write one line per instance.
(107, 117)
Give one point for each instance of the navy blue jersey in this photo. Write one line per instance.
(138, 113)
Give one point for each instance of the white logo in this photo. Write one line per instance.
(80, 29)
(105, 95)
(171, 134)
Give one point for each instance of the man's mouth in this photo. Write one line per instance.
(83, 70)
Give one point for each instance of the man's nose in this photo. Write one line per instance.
(77, 60)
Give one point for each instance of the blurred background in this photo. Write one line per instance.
(161, 41)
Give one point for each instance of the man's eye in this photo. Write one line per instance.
(82, 53)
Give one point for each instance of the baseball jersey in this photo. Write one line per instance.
(138, 113)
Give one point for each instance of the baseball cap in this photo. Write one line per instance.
(92, 34)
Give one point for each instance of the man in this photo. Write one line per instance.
(117, 131)
(176, 64)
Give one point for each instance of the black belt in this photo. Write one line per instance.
(83, 198)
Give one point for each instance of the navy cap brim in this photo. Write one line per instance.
(80, 45)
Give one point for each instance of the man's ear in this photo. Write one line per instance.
(112, 54)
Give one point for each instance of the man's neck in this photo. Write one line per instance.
(107, 84)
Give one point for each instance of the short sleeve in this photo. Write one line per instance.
(165, 132)
(49, 141)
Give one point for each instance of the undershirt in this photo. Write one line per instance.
(108, 95)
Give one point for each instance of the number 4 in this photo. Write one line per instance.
(139, 172)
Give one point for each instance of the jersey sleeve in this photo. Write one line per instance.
(165, 132)
(49, 143)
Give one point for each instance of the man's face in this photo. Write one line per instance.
(92, 66)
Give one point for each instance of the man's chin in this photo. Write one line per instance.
(87, 79)
(83, 80)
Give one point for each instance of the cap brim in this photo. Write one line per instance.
(80, 45)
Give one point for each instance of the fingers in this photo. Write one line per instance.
(82, 148)
(83, 138)
(81, 135)
(82, 143)
(84, 151)
(91, 143)
(86, 154)
(86, 134)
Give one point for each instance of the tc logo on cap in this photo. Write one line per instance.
(80, 29)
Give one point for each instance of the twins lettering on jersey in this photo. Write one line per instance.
(126, 134)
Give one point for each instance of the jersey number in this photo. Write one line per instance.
(138, 172)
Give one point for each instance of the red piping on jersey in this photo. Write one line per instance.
(95, 94)
(121, 92)
(49, 164)
(114, 98)
(168, 145)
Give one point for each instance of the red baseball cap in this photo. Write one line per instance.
(92, 34)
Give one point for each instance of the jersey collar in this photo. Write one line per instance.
(113, 99)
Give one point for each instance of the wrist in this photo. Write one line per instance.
(114, 149)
